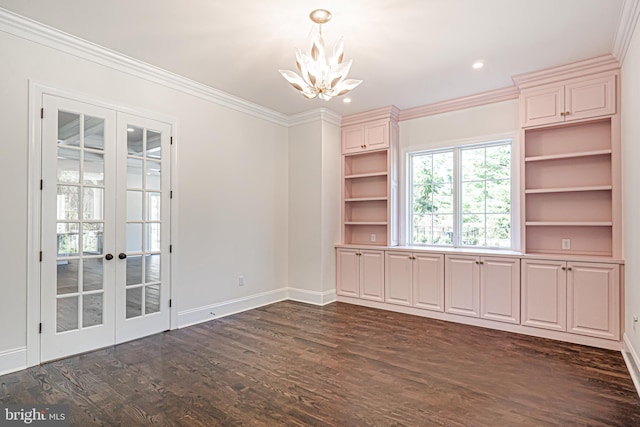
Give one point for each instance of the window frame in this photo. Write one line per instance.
(406, 202)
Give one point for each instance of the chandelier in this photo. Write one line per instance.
(319, 75)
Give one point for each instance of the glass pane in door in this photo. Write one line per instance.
(80, 226)
(144, 222)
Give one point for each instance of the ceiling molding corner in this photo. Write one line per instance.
(45, 35)
(626, 25)
(323, 114)
(390, 112)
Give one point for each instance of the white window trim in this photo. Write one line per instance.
(516, 191)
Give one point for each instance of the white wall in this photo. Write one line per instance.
(314, 210)
(490, 119)
(630, 111)
(232, 190)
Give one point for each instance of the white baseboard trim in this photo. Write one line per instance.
(227, 308)
(13, 360)
(633, 362)
(490, 324)
(312, 297)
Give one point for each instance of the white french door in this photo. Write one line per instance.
(105, 227)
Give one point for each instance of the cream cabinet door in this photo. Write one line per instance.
(372, 275)
(462, 287)
(348, 267)
(593, 297)
(428, 281)
(398, 277)
(544, 294)
(586, 98)
(376, 135)
(540, 106)
(352, 139)
(500, 289)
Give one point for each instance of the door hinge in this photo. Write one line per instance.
(40, 328)
(42, 113)
(171, 140)
(170, 249)
(40, 256)
(41, 184)
(171, 194)
(169, 303)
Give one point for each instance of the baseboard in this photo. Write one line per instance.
(490, 324)
(633, 362)
(13, 360)
(227, 308)
(312, 297)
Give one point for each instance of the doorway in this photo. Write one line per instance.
(105, 227)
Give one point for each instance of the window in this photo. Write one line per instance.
(461, 196)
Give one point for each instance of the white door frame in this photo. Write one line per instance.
(36, 92)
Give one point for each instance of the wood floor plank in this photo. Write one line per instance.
(293, 364)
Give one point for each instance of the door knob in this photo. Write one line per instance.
(108, 257)
(122, 255)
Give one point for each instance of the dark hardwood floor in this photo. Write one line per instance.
(341, 365)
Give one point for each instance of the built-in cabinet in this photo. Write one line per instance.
(370, 181)
(577, 297)
(566, 281)
(415, 279)
(574, 99)
(571, 186)
(360, 273)
(485, 287)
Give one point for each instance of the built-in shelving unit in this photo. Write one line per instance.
(369, 178)
(569, 189)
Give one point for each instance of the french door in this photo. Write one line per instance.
(105, 227)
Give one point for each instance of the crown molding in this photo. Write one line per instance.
(37, 32)
(484, 98)
(390, 112)
(311, 116)
(595, 65)
(626, 25)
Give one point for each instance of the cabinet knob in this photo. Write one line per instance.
(564, 268)
(477, 262)
(566, 113)
(562, 113)
(481, 262)
(569, 268)
(365, 145)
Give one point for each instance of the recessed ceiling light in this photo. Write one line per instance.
(346, 100)
(477, 65)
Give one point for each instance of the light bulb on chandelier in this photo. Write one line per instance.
(321, 76)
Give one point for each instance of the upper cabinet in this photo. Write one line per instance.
(365, 137)
(575, 99)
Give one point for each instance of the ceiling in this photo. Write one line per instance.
(408, 52)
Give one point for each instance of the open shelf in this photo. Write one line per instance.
(568, 155)
(365, 199)
(371, 211)
(585, 240)
(365, 175)
(568, 139)
(569, 223)
(360, 234)
(567, 189)
(366, 164)
(592, 171)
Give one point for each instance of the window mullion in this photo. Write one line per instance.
(457, 192)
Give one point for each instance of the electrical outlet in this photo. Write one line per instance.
(566, 243)
(373, 237)
(241, 281)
